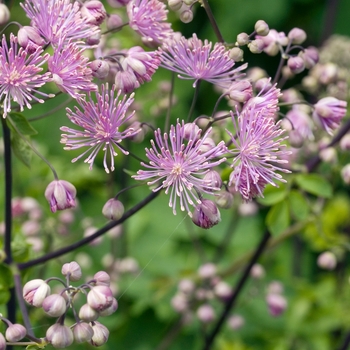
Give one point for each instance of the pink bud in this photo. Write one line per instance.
(114, 21)
(102, 278)
(100, 297)
(327, 261)
(191, 131)
(126, 81)
(94, 12)
(88, 314)
(242, 39)
(111, 309)
(186, 286)
(222, 290)
(224, 199)
(59, 336)
(236, 322)
(101, 334)
(180, 302)
(113, 209)
(82, 332)
(276, 304)
(261, 28)
(310, 56)
(54, 305)
(236, 54)
(256, 46)
(100, 68)
(212, 181)
(297, 36)
(72, 270)
(207, 271)
(29, 38)
(296, 64)
(15, 332)
(35, 291)
(206, 214)
(2, 342)
(257, 271)
(4, 14)
(60, 195)
(206, 313)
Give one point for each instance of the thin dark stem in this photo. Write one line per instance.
(213, 21)
(170, 103)
(346, 343)
(82, 242)
(195, 97)
(329, 20)
(237, 290)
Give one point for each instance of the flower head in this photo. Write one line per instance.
(56, 19)
(193, 59)
(329, 111)
(149, 19)
(257, 148)
(180, 164)
(19, 75)
(100, 122)
(70, 69)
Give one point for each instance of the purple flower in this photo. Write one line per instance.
(149, 19)
(193, 59)
(257, 146)
(70, 69)
(60, 195)
(100, 122)
(206, 214)
(56, 19)
(328, 112)
(181, 165)
(19, 75)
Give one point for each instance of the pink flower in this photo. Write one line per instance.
(149, 19)
(60, 195)
(19, 75)
(193, 59)
(179, 165)
(100, 122)
(329, 112)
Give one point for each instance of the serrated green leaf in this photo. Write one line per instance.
(19, 124)
(278, 218)
(298, 205)
(273, 195)
(21, 149)
(314, 184)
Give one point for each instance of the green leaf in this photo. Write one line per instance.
(278, 219)
(19, 124)
(21, 149)
(314, 184)
(298, 205)
(6, 278)
(273, 195)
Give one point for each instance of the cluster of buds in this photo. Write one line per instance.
(99, 302)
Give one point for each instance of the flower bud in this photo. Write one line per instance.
(235, 322)
(113, 209)
(207, 270)
(82, 332)
(59, 336)
(35, 291)
(275, 287)
(186, 286)
(191, 131)
(15, 332)
(118, 3)
(212, 180)
(329, 155)
(180, 302)
(345, 143)
(206, 313)
(296, 64)
(2, 342)
(222, 290)
(94, 39)
(100, 68)
(207, 145)
(310, 56)
(114, 21)
(206, 214)
(240, 91)
(248, 209)
(236, 54)
(72, 270)
(126, 81)
(4, 14)
(276, 304)
(93, 11)
(297, 36)
(242, 39)
(29, 38)
(102, 278)
(60, 195)
(101, 334)
(261, 28)
(186, 16)
(175, 5)
(256, 46)
(54, 305)
(257, 271)
(100, 298)
(224, 199)
(88, 314)
(110, 310)
(327, 261)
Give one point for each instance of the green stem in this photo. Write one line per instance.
(195, 97)
(212, 21)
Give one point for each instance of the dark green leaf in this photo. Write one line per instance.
(314, 184)
(21, 149)
(273, 195)
(298, 205)
(18, 123)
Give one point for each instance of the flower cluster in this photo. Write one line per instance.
(99, 302)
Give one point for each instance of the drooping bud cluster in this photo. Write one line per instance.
(99, 302)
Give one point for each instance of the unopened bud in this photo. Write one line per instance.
(35, 291)
(186, 286)
(224, 199)
(29, 38)
(114, 21)
(345, 142)
(297, 36)
(235, 322)
(206, 214)
(207, 145)
(310, 56)
(275, 287)
(212, 181)
(236, 54)
(59, 336)
(72, 270)
(175, 5)
(296, 64)
(2, 342)
(111, 309)
(15, 332)
(88, 314)
(100, 297)
(206, 313)
(207, 270)
(257, 271)
(186, 16)
(261, 28)
(54, 305)
(242, 39)
(102, 278)
(82, 332)
(60, 195)
(256, 46)
(100, 68)
(113, 209)
(276, 304)
(4, 14)
(329, 155)
(101, 334)
(93, 11)
(327, 261)
(222, 290)
(180, 302)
